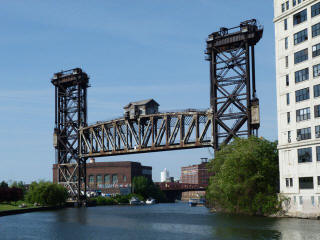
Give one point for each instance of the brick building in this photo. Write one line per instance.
(112, 177)
(196, 174)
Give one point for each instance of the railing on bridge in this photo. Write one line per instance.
(148, 133)
(175, 186)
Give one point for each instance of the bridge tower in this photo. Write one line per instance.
(233, 100)
(70, 114)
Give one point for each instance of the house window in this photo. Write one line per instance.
(287, 80)
(317, 111)
(316, 50)
(304, 133)
(286, 43)
(300, 17)
(99, 180)
(315, 9)
(288, 98)
(289, 182)
(301, 56)
(306, 183)
(303, 114)
(316, 70)
(304, 155)
(316, 30)
(114, 179)
(318, 153)
(317, 132)
(107, 179)
(301, 75)
(302, 94)
(288, 117)
(91, 179)
(300, 36)
(289, 136)
(285, 23)
(316, 90)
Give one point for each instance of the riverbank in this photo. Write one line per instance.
(27, 210)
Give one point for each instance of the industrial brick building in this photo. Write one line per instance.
(196, 174)
(112, 177)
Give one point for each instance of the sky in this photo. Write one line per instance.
(132, 50)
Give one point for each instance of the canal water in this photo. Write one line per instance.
(161, 221)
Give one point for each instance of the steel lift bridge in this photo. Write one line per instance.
(233, 112)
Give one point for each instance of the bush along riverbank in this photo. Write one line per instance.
(113, 200)
(246, 178)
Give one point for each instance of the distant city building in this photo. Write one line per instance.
(196, 174)
(112, 177)
(164, 175)
(144, 107)
(297, 42)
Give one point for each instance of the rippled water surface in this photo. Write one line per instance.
(161, 221)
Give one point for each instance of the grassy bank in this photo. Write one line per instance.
(15, 206)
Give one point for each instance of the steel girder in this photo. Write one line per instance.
(149, 133)
(70, 114)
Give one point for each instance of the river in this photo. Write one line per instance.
(161, 221)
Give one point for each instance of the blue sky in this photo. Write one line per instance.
(132, 50)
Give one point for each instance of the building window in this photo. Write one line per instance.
(107, 179)
(288, 98)
(91, 179)
(315, 9)
(300, 36)
(316, 30)
(300, 17)
(287, 80)
(287, 5)
(288, 117)
(99, 180)
(294, 2)
(302, 94)
(304, 155)
(114, 179)
(124, 178)
(295, 199)
(318, 153)
(301, 56)
(316, 50)
(312, 200)
(289, 182)
(303, 114)
(286, 43)
(318, 180)
(285, 23)
(317, 111)
(304, 133)
(316, 70)
(283, 8)
(317, 132)
(287, 61)
(316, 90)
(306, 183)
(301, 75)
(289, 136)
(300, 200)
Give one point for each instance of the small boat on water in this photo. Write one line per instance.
(150, 201)
(193, 202)
(135, 201)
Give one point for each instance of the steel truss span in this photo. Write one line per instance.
(149, 133)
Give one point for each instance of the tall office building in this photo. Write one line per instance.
(297, 41)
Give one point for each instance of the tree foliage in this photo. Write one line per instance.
(246, 177)
(46, 194)
(146, 188)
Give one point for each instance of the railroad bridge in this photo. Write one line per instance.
(233, 112)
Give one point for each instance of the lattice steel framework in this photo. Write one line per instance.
(148, 133)
(70, 114)
(233, 100)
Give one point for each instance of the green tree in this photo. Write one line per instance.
(246, 177)
(4, 184)
(146, 188)
(46, 193)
